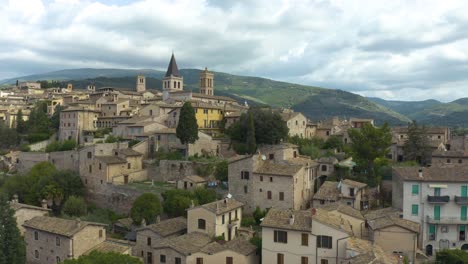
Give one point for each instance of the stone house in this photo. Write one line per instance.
(327, 166)
(25, 212)
(275, 176)
(219, 218)
(312, 236)
(148, 236)
(191, 182)
(352, 193)
(53, 240)
(350, 214)
(449, 158)
(76, 122)
(114, 108)
(296, 122)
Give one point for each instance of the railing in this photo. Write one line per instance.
(461, 200)
(438, 199)
(447, 220)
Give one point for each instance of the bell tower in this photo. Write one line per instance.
(172, 81)
(206, 82)
(140, 83)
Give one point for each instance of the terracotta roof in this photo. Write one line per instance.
(344, 209)
(354, 184)
(168, 227)
(172, 69)
(280, 218)
(186, 244)
(368, 253)
(16, 206)
(328, 191)
(387, 221)
(221, 206)
(58, 226)
(274, 168)
(111, 159)
(238, 245)
(388, 211)
(432, 174)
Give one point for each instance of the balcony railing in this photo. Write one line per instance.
(447, 220)
(461, 200)
(438, 199)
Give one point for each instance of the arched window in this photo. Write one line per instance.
(175, 84)
(178, 85)
(201, 224)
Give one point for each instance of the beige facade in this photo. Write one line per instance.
(396, 239)
(74, 122)
(191, 182)
(25, 212)
(206, 82)
(296, 122)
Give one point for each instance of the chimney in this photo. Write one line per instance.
(15, 198)
(44, 203)
(158, 219)
(291, 219)
(78, 222)
(420, 173)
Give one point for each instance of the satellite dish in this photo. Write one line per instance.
(263, 157)
(229, 196)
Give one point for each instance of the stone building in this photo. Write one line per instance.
(140, 83)
(352, 193)
(296, 122)
(53, 240)
(275, 176)
(206, 82)
(191, 182)
(25, 212)
(75, 123)
(173, 80)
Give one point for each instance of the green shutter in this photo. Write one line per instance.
(432, 229)
(464, 191)
(437, 191)
(463, 213)
(461, 228)
(436, 212)
(414, 209)
(415, 189)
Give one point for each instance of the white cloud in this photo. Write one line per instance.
(396, 50)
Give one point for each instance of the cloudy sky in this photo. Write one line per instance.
(404, 50)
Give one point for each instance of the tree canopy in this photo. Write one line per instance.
(417, 146)
(75, 206)
(187, 128)
(370, 144)
(97, 257)
(147, 206)
(12, 246)
(177, 201)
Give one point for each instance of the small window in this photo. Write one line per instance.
(57, 241)
(324, 261)
(414, 209)
(100, 233)
(229, 260)
(305, 239)
(415, 189)
(57, 259)
(324, 242)
(324, 167)
(199, 260)
(201, 224)
(271, 179)
(36, 254)
(269, 195)
(280, 236)
(36, 235)
(90, 168)
(280, 258)
(260, 190)
(162, 258)
(261, 178)
(90, 155)
(129, 166)
(449, 161)
(222, 219)
(460, 161)
(281, 196)
(271, 156)
(178, 261)
(245, 175)
(304, 260)
(246, 189)
(148, 241)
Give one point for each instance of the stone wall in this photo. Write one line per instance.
(116, 198)
(173, 170)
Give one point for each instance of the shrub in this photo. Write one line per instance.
(248, 221)
(147, 207)
(258, 214)
(75, 206)
(221, 170)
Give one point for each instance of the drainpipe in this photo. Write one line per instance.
(337, 245)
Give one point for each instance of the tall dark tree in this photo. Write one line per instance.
(369, 144)
(12, 246)
(20, 123)
(55, 119)
(187, 129)
(251, 142)
(147, 206)
(417, 146)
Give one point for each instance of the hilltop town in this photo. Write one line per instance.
(169, 175)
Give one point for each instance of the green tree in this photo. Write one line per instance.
(417, 146)
(333, 142)
(55, 119)
(75, 206)
(8, 138)
(177, 201)
(251, 143)
(147, 206)
(39, 124)
(369, 144)
(20, 123)
(12, 246)
(187, 128)
(221, 170)
(97, 257)
(452, 256)
(204, 196)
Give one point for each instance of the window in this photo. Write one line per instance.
(178, 261)
(90, 154)
(460, 161)
(57, 241)
(57, 259)
(148, 241)
(305, 239)
(464, 191)
(36, 254)
(245, 189)
(245, 175)
(201, 224)
(222, 219)
(149, 258)
(280, 236)
(100, 166)
(414, 209)
(162, 258)
(129, 165)
(199, 260)
(432, 232)
(36, 235)
(463, 213)
(280, 258)
(261, 178)
(436, 191)
(90, 168)
(304, 260)
(269, 195)
(324, 242)
(271, 179)
(449, 161)
(461, 233)
(260, 190)
(351, 192)
(271, 156)
(324, 167)
(100, 233)
(235, 214)
(229, 260)
(281, 196)
(415, 189)
(324, 261)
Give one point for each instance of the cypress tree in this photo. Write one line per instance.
(12, 246)
(251, 142)
(20, 124)
(187, 128)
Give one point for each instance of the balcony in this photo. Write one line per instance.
(446, 220)
(461, 200)
(438, 199)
